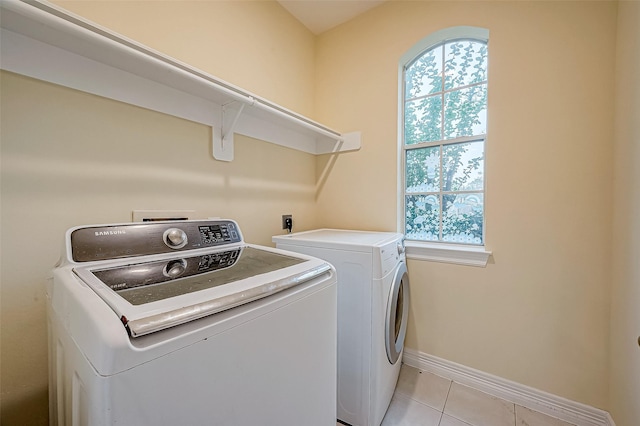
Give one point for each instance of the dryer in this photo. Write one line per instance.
(373, 304)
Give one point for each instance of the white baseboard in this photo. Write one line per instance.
(552, 405)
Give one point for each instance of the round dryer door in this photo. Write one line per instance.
(397, 314)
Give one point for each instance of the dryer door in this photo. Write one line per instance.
(397, 313)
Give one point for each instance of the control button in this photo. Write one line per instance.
(175, 238)
(400, 248)
(175, 268)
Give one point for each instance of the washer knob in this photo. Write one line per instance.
(400, 248)
(175, 238)
(175, 268)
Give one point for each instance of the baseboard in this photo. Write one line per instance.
(555, 406)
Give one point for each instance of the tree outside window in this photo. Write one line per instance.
(445, 121)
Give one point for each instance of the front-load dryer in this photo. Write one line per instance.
(373, 304)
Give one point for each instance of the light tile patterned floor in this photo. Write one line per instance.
(424, 399)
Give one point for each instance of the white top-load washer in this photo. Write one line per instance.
(373, 303)
(183, 323)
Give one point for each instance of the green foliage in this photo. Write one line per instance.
(445, 98)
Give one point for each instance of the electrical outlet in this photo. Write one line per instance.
(284, 220)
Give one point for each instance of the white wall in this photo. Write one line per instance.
(624, 399)
(538, 314)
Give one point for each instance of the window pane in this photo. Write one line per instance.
(465, 112)
(463, 166)
(462, 218)
(422, 169)
(422, 217)
(424, 76)
(465, 63)
(445, 98)
(422, 120)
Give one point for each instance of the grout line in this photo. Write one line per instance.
(571, 412)
(444, 407)
(445, 399)
(481, 391)
(412, 397)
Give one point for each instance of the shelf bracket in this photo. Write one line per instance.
(223, 137)
(229, 121)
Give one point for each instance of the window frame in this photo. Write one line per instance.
(439, 251)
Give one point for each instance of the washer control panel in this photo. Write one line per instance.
(91, 243)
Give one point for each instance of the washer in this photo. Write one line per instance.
(373, 304)
(170, 323)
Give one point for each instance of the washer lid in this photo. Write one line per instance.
(156, 294)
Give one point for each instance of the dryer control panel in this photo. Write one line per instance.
(106, 242)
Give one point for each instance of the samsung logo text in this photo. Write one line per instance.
(103, 233)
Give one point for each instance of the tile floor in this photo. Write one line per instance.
(424, 399)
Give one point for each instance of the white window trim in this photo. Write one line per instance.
(447, 253)
(459, 254)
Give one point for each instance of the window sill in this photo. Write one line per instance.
(447, 253)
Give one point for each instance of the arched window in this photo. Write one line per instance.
(444, 126)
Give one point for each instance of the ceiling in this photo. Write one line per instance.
(322, 15)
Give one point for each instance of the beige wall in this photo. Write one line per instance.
(539, 313)
(69, 158)
(625, 311)
(255, 44)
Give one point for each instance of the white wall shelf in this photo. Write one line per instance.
(45, 42)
